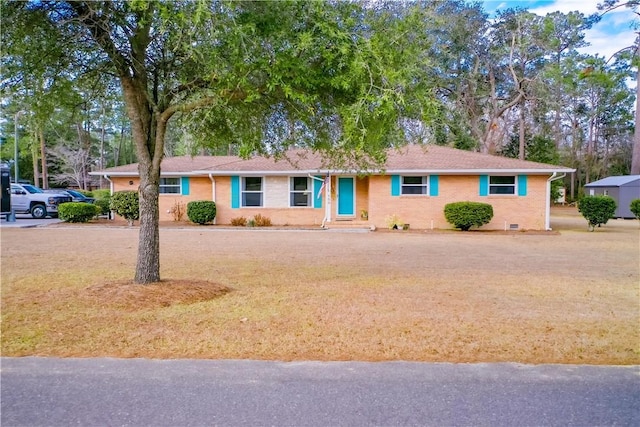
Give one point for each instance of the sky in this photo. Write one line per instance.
(614, 32)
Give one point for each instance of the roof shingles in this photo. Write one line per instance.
(412, 158)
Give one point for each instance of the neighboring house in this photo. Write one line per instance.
(416, 184)
(623, 189)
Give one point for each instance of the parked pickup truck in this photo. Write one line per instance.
(26, 198)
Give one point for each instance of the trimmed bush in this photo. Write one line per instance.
(77, 212)
(597, 210)
(201, 211)
(104, 205)
(103, 200)
(464, 215)
(126, 204)
(635, 207)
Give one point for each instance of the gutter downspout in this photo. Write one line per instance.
(547, 214)
(110, 184)
(213, 194)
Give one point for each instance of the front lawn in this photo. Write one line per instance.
(571, 297)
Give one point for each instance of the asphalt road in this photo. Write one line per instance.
(136, 392)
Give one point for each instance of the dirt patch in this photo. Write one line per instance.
(131, 296)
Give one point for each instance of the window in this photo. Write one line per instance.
(300, 191)
(169, 185)
(502, 185)
(252, 191)
(414, 185)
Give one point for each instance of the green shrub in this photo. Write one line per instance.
(77, 212)
(87, 193)
(201, 211)
(104, 205)
(103, 200)
(635, 207)
(101, 194)
(597, 210)
(126, 204)
(464, 215)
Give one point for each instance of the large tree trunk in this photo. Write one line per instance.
(143, 111)
(148, 263)
(148, 135)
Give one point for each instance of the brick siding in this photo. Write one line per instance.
(373, 194)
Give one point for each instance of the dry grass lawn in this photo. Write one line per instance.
(567, 297)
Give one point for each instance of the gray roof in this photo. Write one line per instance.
(616, 181)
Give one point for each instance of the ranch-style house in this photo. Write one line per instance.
(414, 185)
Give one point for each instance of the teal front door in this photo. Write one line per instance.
(346, 199)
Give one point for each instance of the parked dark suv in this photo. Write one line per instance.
(75, 195)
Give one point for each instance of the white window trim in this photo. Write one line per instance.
(308, 191)
(179, 186)
(243, 191)
(514, 185)
(425, 184)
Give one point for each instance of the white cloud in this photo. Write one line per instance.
(605, 44)
(613, 33)
(565, 6)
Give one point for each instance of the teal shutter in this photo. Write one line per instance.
(522, 185)
(484, 185)
(317, 196)
(395, 185)
(235, 192)
(433, 185)
(184, 185)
